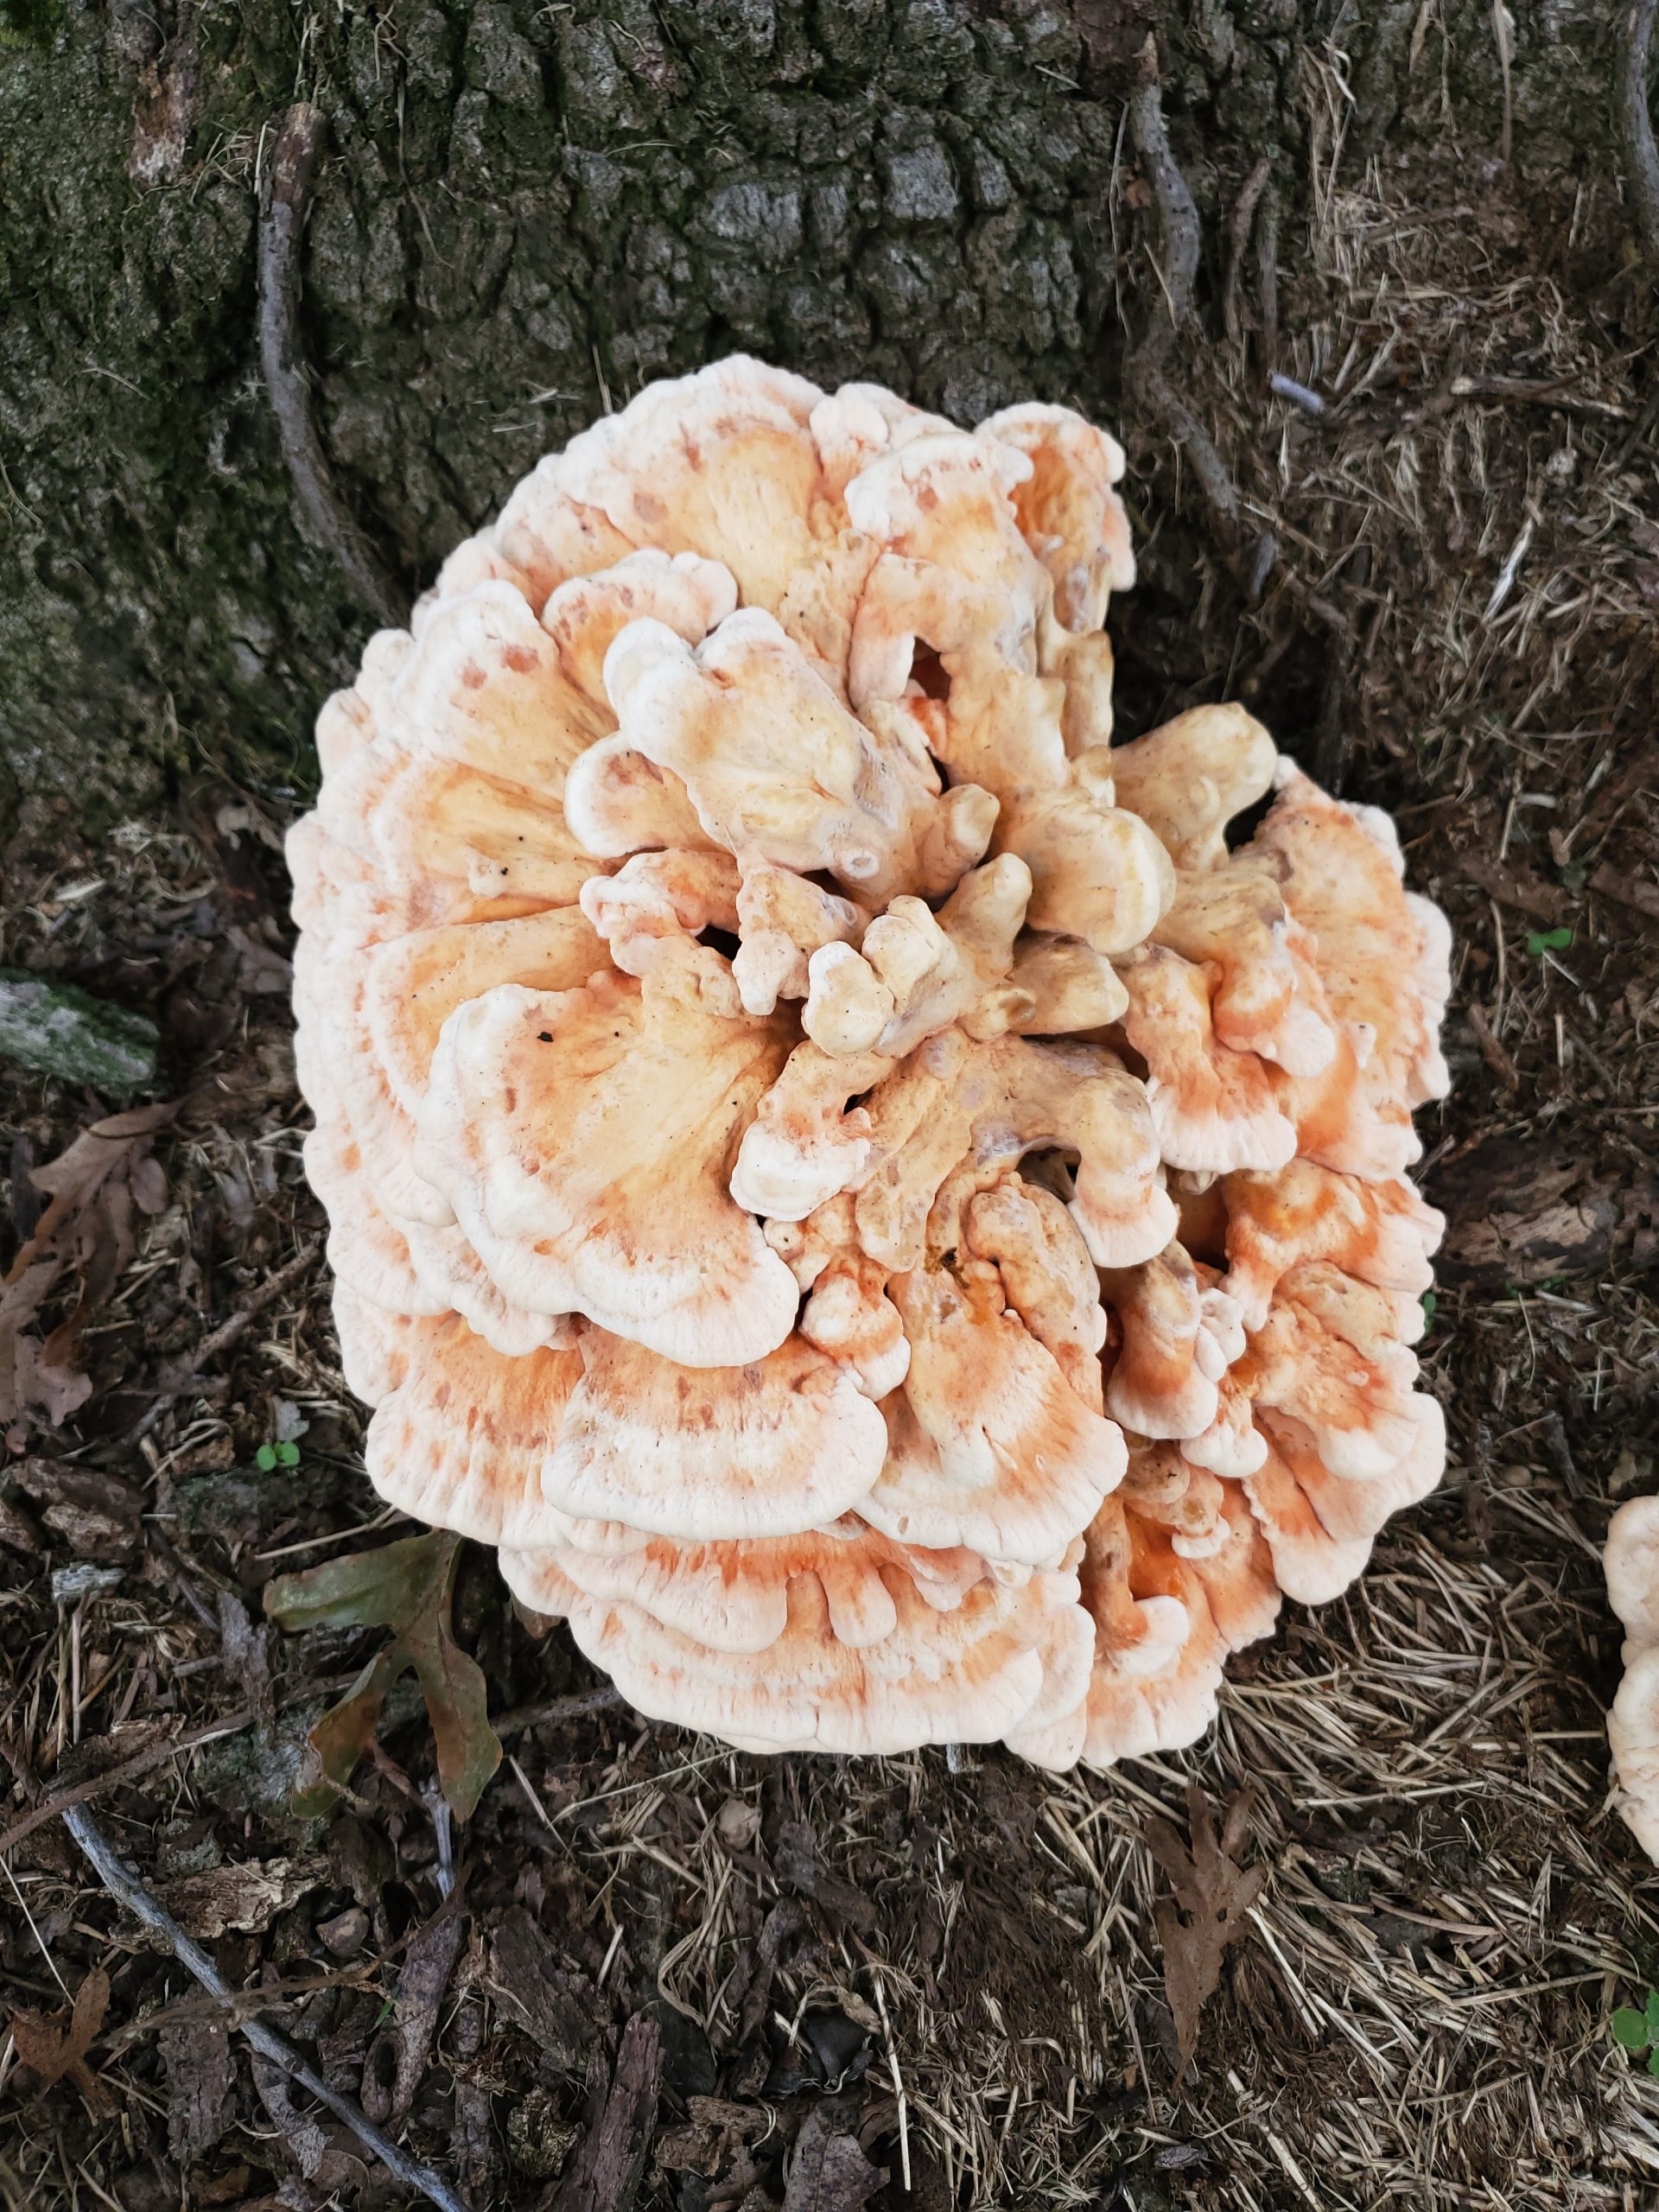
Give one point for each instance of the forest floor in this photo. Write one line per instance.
(958, 1963)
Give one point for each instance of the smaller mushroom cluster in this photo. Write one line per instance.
(888, 1208)
(1631, 1563)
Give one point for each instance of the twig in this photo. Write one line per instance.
(558, 1708)
(292, 165)
(1267, 277)
(276, 1996)
(1333, 742)
(114, 1778)
(178, 1374)
(1492, 1051)
(1503, 32)
(1238, 238)
(1635, 124)
(1299, 395)
(132, 1893)
(167, 1551)
(1629, 890)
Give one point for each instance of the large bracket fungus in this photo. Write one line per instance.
(896, 1227)
(1631, 1562)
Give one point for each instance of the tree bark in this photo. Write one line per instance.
(521, 213)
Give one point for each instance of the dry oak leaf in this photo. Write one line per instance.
(407, 1586)
(93, 1188)
(247, 1897)
(1212, 1894)
(829, 2171)
(59, 2053)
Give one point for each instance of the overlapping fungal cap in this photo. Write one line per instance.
(893, 1225)
(1631, 1561)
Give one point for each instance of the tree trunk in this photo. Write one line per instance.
(521, 213)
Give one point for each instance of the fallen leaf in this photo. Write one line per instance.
(1212, 1894)
(247, 1897)
(422, 1977)
(1519, 1211)
(797, 1864)
(1513, 886)
(94, 1187)
(787, 1918)
(737, 1824)
(58, 2052)
(716, 2124)
(829, 2171)
(247, 1655)
(407, 1586)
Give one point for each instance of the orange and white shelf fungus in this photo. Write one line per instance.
(894, 1226)
(1631, 1562)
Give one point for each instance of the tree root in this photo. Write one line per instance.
(1145, 372)
(291, 168)
(1635, 123)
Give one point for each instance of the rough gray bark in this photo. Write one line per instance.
(521, 210)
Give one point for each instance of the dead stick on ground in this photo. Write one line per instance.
(1238, 238)
(291, 167)
(558, 1708)
(112, 1777)
(182, 1373)
(1635, 124)
(132, 1893)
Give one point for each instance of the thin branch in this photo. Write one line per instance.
(1176, 213)
(1266, 276)
(115, 1777)
(292, 165)
(178, 1374)
(132, 1893)
(1238, 238)
(1635, 123)
(574, 1707)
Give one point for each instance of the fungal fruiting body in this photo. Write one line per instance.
(1632, 1566)
(896, 1230)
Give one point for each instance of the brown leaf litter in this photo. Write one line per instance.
(95, 1186)
(55, 2048)
(1212, 1895)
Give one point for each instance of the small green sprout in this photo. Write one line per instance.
(1639, 2031)
(1430, 1305)
(1540, 942)
(275, 1455)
